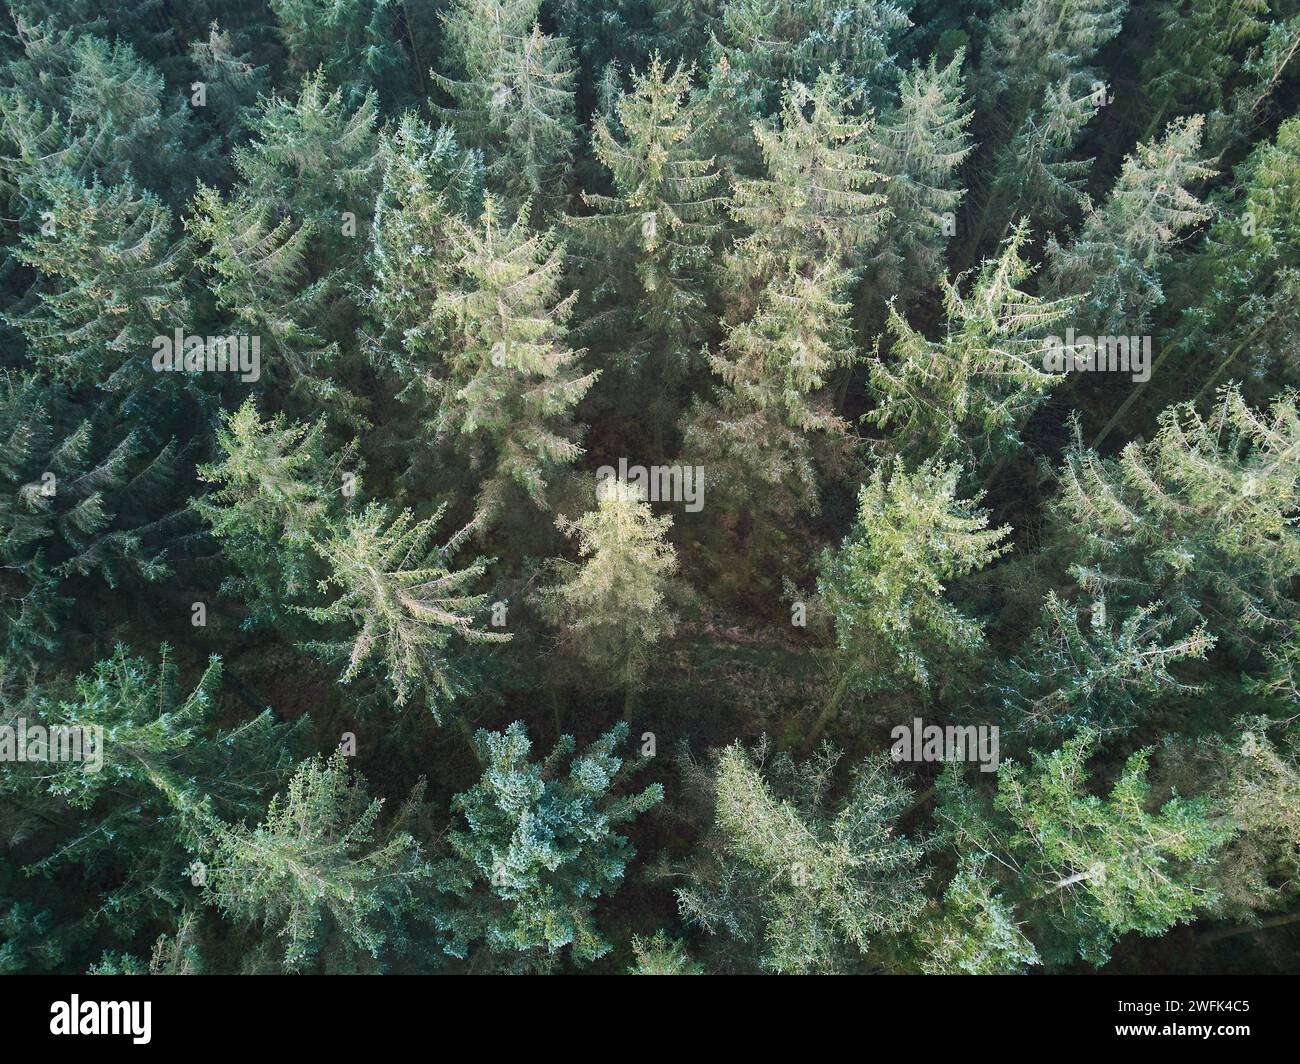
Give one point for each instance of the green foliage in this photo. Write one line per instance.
(428, 183)
(1116, 258)
(514, 96)
(815, 202)
(817, 253)
(111, 279)
(919, 147)
(659, 227)
(615, 604)
(336, 885)
(1102, 674)
(398, 603)
(974, 931)
(1200, 516)
(661, 955)
(884, 587)
(276, 492)
(74, 503)
(532, 848)
(808, 883)
(966, 397)
(131, 816)
(351, 41)
(512, 384)
(1087, 869)
(771, 43)
(73, 102)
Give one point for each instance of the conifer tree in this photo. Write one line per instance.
(230, 80)
(1257, 778)
(1083, 869)
(816, 200)
(76, 500)
(918, 147)
(1244, 281)
(615, 603)
(1037, 44)
(659, 227)
(314, 158)
(974, 931)
(756, 441)
(1266, 68)
(398, 601)
(884, 587)
(533, 846)
(111, 280)
(1038, 177)
(661, 955)
(1116, 258)
(1101, 674)
(133, 825)
(258, 276)
(966, 397)
(276, 491)
(512, 384)
(428, 182)
(353, 42)
(1199, 51)
(769, 44)
(798, 336)
(513, 97)
(1038, 89)
(1200, 516)
(806, 885)
(73, 102)
(337, 885)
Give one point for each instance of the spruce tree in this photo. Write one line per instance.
(111, 279)
(352, 41)
(661, 955)
(804, 884)
(1200, 516)
(884, 588)
(428, 183)
(512, 384)
(79, 498)
(919, 147)
(134, 825)
(513, 94)
(258, 277)
(1083, 869)
(815, 201)
(1099, 672)
(398, 603)
(974, 930)
(314, 158)
(533, 845)
(615, 604)
(72, 102)
(768, 44)
(1116, 258)
(966, 397)
(336, 884)
(277, 489)
(659, 227)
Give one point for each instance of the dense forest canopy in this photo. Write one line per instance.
(650, 486)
